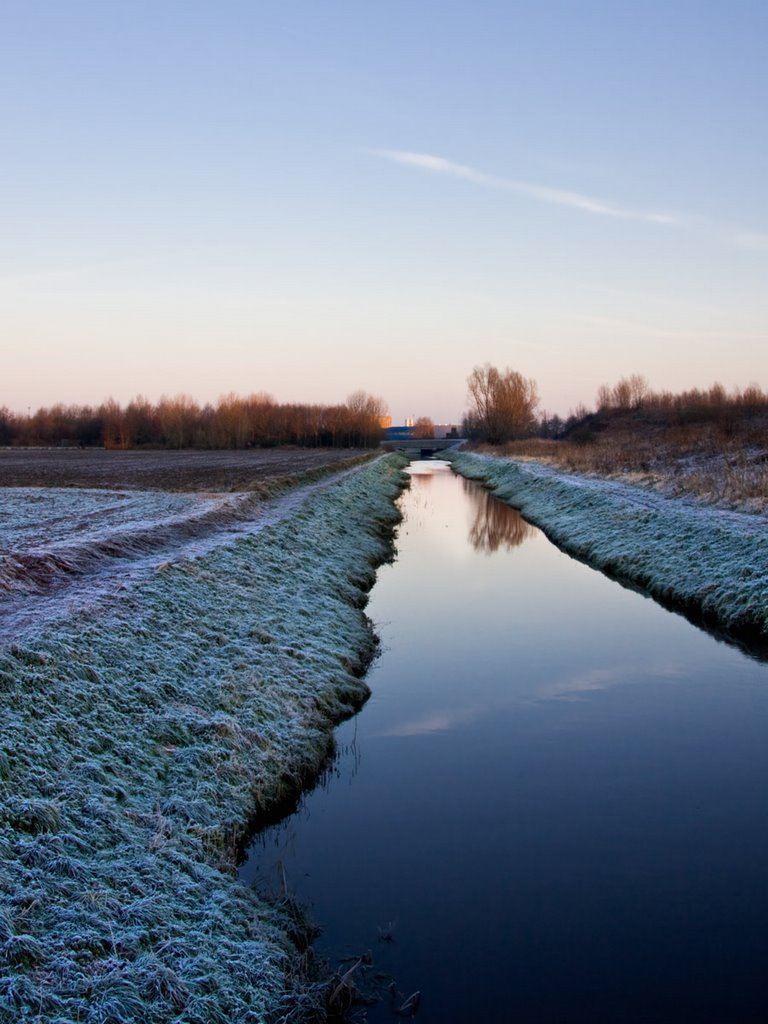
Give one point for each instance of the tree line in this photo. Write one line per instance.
(503, 406)
(180, 422)
(693, 405)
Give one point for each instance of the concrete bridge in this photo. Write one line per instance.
(422, 447)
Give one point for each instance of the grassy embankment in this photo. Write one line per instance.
(709, 563)
(68, 513)
(139, 740)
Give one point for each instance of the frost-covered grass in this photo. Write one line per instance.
(729, 472)
(710, 563)
(140, 738)
(31, 517)
(50, 535)
(47, 533)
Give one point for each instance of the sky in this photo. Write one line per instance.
(307, 197)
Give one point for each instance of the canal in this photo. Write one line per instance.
(554, 806)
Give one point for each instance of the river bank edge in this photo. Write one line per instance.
(140, 746)
(707, 563)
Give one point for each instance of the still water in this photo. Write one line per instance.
(556, 799)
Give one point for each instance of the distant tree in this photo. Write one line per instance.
(717, 396)
(261, 408)
(113, 424)
(639, 390)
(550, 426)
(503, 404)
(628, 393)
(229, 422)
(424, 427)
(580, 412)
(8, 427)
(604, 399)
(336, 426)
(366, 412)
(178, 417)
(622, 394)
(179, 422)
(141, 425)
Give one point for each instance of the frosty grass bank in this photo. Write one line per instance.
(710, 563)
(139, 737)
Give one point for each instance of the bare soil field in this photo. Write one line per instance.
(164, 470)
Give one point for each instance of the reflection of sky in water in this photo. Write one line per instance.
(557, 787)
(529, 623)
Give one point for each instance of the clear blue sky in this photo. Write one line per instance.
(310, 197)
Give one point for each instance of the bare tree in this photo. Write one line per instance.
(503, 404)
(140, 422)
(424, 427)
(639, 390)
(114, 424)
(604, 398)
(178, 416)
(366, 412)
(628, 393)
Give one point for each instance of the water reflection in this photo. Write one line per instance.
(444, 720)
(495, 525)
(562, 798)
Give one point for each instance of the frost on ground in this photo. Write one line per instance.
(53, 535)
(138, 739)
(50, 533)
(710, 563)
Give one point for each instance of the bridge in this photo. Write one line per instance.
(422, 447)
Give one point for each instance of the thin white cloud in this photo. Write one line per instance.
(742, 238)
(544, 193)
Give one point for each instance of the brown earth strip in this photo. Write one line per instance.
(164, 470)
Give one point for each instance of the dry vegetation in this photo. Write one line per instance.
(186, 470)
(710, 444)
(721, 460)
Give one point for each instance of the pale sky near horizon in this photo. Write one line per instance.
(307, 198)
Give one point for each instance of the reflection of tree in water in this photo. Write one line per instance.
(495, 525)
(423, 478)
